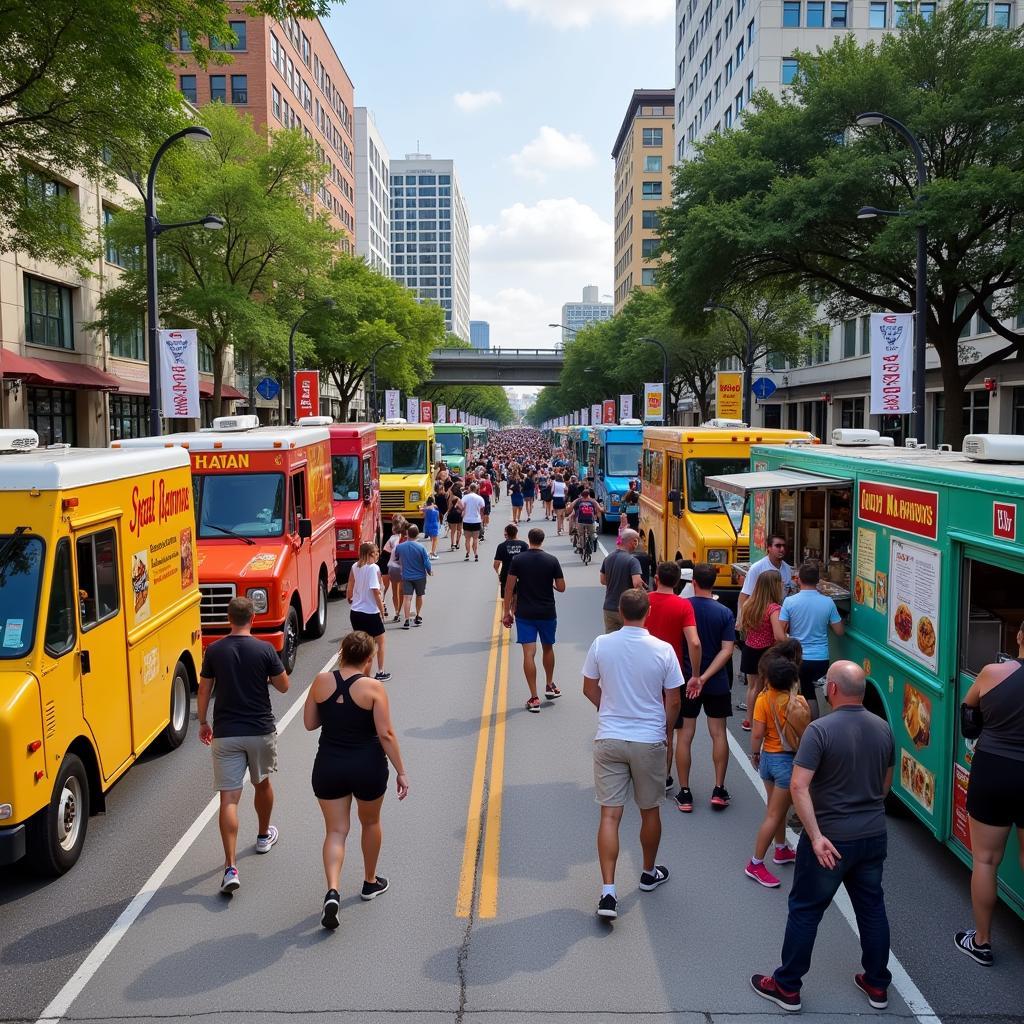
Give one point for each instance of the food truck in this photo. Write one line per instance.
(581, 447)
(924, 559)
(264, 525)
(452, 443)
(680, 517)
(616, 462)
(355, 491)
(406, 455)
(99, 632)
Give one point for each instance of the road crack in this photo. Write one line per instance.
(462, 957)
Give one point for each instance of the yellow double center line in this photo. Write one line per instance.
(482, 849)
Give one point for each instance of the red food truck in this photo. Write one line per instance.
(356, 491)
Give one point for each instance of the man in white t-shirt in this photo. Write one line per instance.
(472, 520)
(774, 559)
(633, 680)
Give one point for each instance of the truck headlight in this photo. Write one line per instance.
(414, 496)
(718, 556)
(6, 811)
(258, 596)
(616, 498)
(347, 535)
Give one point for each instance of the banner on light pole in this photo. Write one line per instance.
(729, 395)
(595, 414)
(654, 403)
(392, 406)
(427, 412)
(179, 374)
(608, 411)
(625, 407)
(892, 364)
(442, 412)
(412, 406)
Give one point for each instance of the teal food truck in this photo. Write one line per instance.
(450, 445)
(921, 552)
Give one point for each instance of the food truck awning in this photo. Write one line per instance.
(741, 484)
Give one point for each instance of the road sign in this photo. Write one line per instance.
(764, 387)
(268, 389)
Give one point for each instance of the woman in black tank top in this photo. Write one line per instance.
(352, 712)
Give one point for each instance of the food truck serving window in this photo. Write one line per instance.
(731, 486)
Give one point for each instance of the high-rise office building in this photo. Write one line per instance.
(576, 315)
(373, 194)
(643, 184)
(480, 334)
(430, 235)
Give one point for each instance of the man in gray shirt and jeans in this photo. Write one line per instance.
(841, 775)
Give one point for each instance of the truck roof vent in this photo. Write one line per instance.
(18, 440)
(230, 424)
(396, 419)
(314, 421)
(628, 422)
(994, 447)
(846, 438)
(725, 424)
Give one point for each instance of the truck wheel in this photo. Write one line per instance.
(317, 626)
(177, 726)
(56, 834)
(291, 639)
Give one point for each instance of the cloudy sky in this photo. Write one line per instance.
(527, 97)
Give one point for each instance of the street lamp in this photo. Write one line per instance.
(327, 303)
(872, 119)
(748, 362)
(373, 375)
(154, 228)
(664, 377)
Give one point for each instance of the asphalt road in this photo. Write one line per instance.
(493, 921)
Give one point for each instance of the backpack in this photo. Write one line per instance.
(798, 717)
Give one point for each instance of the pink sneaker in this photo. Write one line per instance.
(785, 855)
(760, 874)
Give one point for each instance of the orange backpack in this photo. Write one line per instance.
(798, 717)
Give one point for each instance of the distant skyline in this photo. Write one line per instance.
(529, 111)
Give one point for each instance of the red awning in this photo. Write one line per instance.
(56, 373)
(226, 390)
(129, 386)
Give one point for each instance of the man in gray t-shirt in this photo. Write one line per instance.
(841, 775)
(620, 571)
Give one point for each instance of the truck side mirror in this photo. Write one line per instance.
(305, 529)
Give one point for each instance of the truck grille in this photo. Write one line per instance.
(743, 554)
(392, 501)
(213, 603)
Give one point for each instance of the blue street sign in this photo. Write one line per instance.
(268, 389)
(764, 387)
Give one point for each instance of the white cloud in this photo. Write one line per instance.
(471, 102)
(531, 261)
(566, 14)
(552, 151)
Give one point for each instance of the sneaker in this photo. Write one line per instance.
(230, 883)
(720, 798)
(533, 704)
(760, 874)
(742, 706)
(396, 618)
(371, 890)
(669, 784)
(407, 624)
(785, 855)
(650, 880)
(435, 556)
(264, 843)
(978, 952)
(382, 677)
(878, 998)
(684, 800)
(466, 559)
(745, 725)
(552, 692)
(332, 904)
(607, 907)
(418, 621)
(764, 985)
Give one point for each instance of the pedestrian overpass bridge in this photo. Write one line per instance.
(502, 366)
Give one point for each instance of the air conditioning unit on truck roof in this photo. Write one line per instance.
(847, 438)
(18, 440)
(994, 447)
(231, 424)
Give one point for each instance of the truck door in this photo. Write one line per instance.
(370, 512)
(303, 549)
(676, 502)
(102, 662)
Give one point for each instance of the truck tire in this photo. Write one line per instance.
(292, 627)
(317, 625)
(181, 710)
(56, 834)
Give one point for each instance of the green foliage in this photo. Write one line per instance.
(490, 400)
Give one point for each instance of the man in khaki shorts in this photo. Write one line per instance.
(633, 680)
(238, 669)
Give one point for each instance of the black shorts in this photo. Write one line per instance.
(810, 673)
(995, 794)
(368, 622)
(472, 527)
(749, 658)
(558, 503)
(545, 494)
(715, 705)
(361, 772)
(487, 506)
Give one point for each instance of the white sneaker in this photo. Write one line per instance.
(264, 843)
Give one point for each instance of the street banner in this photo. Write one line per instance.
(179, 374)
(412, 406)
(728, 395)
(426, 412)
(625, 407)
(392, 407)
(442, 412)
(892, 363)
(608, 411)
(595, 414)
(654, 403)
(585, 417)
(307, 393)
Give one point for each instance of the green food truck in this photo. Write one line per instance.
(921, 553)
(450, 446)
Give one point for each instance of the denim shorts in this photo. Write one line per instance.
(777, 768)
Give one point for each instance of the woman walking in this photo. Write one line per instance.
(357, 740)
(760, 622)
(544, 486)
(365, 593)
(441, 501)
(529, 493)
(631, 506)
(515, 495)
(431, 524)
(399, 533)
(558, 493)
(455, 517)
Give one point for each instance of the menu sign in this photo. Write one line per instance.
(903, 508)
(914, 601)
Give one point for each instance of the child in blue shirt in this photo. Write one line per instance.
(431, 524)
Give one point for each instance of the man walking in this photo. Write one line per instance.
(533, 577)
(633, 680)
(841, 775)
(472, 520)
(238, 669)
(707, 690)
(505, 552)
(620, 571)
(416, 568)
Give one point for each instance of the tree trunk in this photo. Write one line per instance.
(219, 353)
(345, 402)
(953, 388)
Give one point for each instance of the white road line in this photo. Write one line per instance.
(901, 980)
(602, 548)
(61, 1002)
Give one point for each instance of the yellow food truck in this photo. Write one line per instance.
(405, 453)
(100, 641)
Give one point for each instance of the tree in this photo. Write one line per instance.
(241, 287)
(86, 85)
(775, 201)
(487, 400)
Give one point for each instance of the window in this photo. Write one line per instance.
(647, 276)
(238, 29)
(903, 10)
(927, 11)
(789, 71)
(652, 190)
(306, 49)
(98, 596)
(851, 412)
(739, 53)
(51, 414)
(307, 97)
(791, 14)
(750, 32)
(981, 14)
(129, 416)
(112, 253)
(849, 339)
(728, 70)
(839, 16)
(47, 314)
(206, 359)
(218, 89)
(650, 220)
(276, 55)
(60, 616)
(1018, 411)
(728, 117)
(973, 414)
(1000, 15)
(275, 101)
(188, 87)
(129, 343)
(739, 103)
(239, 88)
(649, 247)
(718, 87)
(878, 14)
(42, 187)
(865, 335)
(653, 137)
(652, 164)
(815, 13)
(750, 86)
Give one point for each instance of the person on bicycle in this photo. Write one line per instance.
(585, 511)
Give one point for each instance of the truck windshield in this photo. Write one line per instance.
(700, 497)
(20, 570)
(622, 459)
(345, 470)
(402, 456)
(247, 504)
(453, 444)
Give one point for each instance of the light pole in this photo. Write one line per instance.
(324, 304)
(748, 361)
(154, 228)
(664, 377)
(373, 375)
(565, 327)
(872, 119)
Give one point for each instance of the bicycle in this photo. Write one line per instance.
(588, 548)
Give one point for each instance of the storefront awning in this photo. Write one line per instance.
(226, 390)
(741, 484)
(55, 373)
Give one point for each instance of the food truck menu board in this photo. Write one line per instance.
(914, 601)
